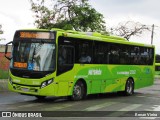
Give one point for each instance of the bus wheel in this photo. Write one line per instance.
(78, 91)
(129, 88)
(40, 97)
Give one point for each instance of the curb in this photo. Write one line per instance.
(3, 85)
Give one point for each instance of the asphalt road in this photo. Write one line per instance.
(145, 102)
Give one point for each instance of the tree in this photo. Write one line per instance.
(1, 32)
(130, 28)
(68, 14)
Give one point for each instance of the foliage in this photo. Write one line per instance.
(67, 14)
(4, 74)
(130, 28)
(1, 32)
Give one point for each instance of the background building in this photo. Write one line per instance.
(4, 63)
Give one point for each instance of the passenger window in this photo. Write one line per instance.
(65, 58)
(101, 53)
(114, 54)
(85, 52)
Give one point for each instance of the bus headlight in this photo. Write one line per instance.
(47, 82)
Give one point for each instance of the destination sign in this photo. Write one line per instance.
(38, 35)
(20, 65)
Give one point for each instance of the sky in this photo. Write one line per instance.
(17, 14)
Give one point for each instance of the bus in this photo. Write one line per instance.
(157, 68)
(76, 64)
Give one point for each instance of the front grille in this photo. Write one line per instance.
(29, 74)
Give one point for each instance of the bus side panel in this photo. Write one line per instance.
(97, 78)
(65, 83)
(144, 77)
(105, 78)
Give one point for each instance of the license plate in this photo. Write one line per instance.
(25, 89)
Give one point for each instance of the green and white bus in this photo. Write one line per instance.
(157, 68)
(75, 64)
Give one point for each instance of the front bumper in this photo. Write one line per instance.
(49, 90)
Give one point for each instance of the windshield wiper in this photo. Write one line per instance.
(34, 51)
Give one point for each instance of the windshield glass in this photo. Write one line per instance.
(34, 56)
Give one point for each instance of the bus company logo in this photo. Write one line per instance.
(123, 73)
(131, 72)
(95, 72)
(147, 71)
(6, 114)
(21, 114)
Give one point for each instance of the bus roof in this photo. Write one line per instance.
(92, 36)
(100, 37)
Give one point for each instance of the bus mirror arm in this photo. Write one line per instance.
(6, 50)
(9, 58)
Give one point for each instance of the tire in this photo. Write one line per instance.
(129, 88)
(78, 91)
(40, 97)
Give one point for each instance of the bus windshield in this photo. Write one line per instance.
(34, 56)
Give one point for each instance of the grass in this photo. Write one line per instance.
(3, 74)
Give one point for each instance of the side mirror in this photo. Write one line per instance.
(6, 50)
